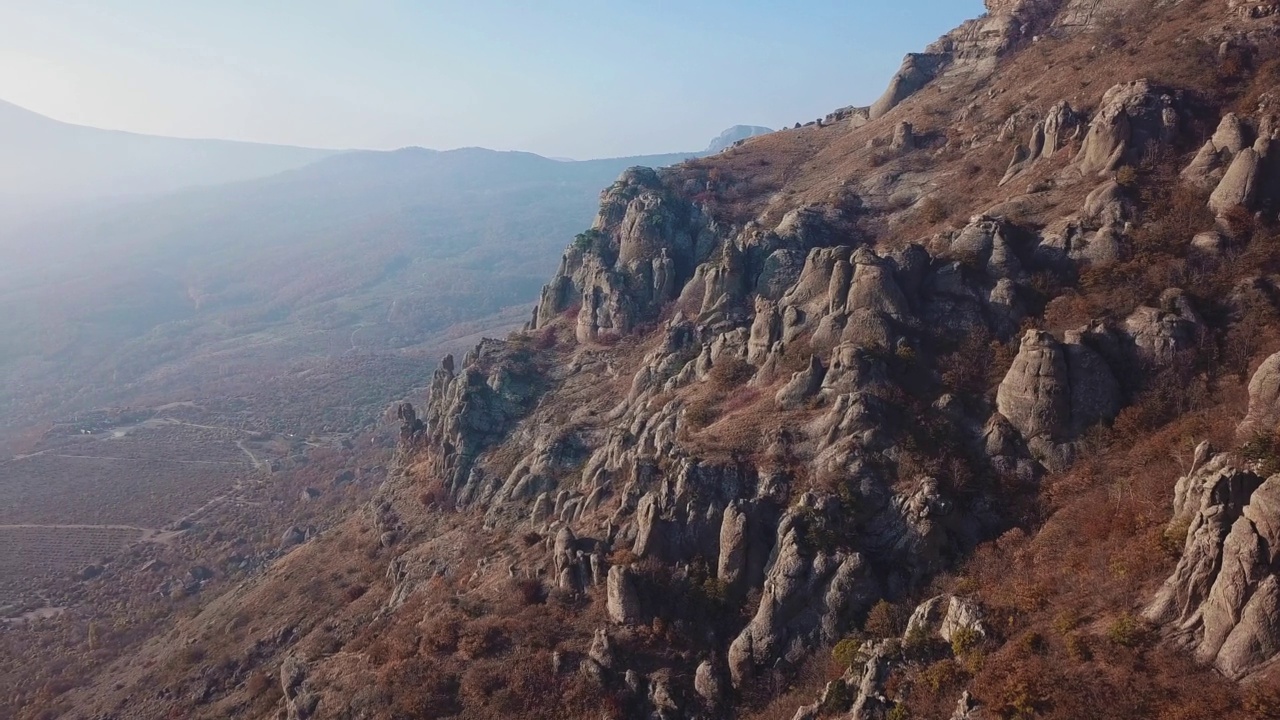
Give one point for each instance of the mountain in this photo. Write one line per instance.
(45, 162)
(963, 406)
(733, 135)
(363, 251)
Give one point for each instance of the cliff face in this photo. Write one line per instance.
(882, 386)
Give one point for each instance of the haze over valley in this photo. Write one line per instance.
(937, 386)
(156, 317)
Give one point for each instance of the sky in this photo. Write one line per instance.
(562, 78)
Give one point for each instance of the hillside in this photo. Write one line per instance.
(963, 405)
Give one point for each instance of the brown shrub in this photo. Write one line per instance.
(933, 211)
(531, 591)
(623, 556)
(258, 684)
(700, 414)
(481, 639)
(885, 620)
(731, 372)
(441, 633)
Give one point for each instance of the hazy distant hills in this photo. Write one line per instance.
(46, 162)
(360, 252)
(733, 135)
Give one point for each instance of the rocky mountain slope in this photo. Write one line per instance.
(963, 405)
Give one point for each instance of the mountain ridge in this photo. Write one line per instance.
(882, 417)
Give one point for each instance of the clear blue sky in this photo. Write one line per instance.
(576, 78)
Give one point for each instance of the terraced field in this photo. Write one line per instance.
(60, 548)
(147, 477)
(92, 489)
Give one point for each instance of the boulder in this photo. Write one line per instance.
(904, 137)
(601, 651)
(1035, 395)
(1055, 390)
(1231, 137)
(1107, 204)
(1159, 334)
(1263, 415)
(1239, 186)
(708, 683)
(622, 602)
(802, 386)
(918, 70)
(293, 536)
(1132, 117)
(732, 565)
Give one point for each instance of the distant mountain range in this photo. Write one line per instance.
(167, 260)
(362, 251)
(47, 162)
(733, 135)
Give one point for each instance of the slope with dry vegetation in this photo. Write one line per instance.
(931, 409)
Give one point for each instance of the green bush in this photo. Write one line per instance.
(1264, 450)
(1127, 631)
(586, 241)
(838, 698)
(942, 675)
(964, 640)
(845, 653)
(1174, 537)
(1078, 648)
(917, 641)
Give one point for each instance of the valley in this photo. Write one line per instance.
(962, 404)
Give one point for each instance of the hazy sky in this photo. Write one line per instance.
(576, 78)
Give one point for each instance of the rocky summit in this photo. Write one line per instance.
(962, 405)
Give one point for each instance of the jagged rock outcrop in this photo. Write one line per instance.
(1232, 136)
(945, 616)
(1132, 118)
(642, 248)
(974, 47)
(1055, 390)
(1263, 416)
(807, 593)
(623, 604)
(1223, 599)
(918, 70)
(838, 327)
(468, 412)
(1159, 334)
(1055, 131)
(860, 691)
(300, 702)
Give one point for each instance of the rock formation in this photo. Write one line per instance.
(1223, 599)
